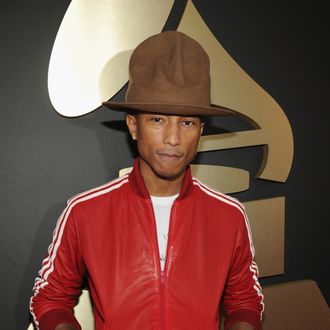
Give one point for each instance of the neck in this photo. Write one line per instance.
(159, 186)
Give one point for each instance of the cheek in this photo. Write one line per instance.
(142, 147)
(192, 144)
(149, 138)
(146, 146)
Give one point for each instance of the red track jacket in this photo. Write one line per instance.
(108, 235)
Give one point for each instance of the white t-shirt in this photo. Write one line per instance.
(162, 208)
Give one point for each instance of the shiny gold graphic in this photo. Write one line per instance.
(267, 225)
(91, 51)
(296, 306)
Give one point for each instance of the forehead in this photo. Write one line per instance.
(143, 115)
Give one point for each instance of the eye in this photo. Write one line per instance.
(156, 119)
(189, 122)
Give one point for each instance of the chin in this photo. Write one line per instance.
(168, 174)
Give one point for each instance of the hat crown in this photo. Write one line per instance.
(169, 74)
(169, 68)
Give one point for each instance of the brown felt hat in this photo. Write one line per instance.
(169, 73)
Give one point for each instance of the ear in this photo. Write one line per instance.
(131, 124)
(202, 127)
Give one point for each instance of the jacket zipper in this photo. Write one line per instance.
(162, 273)
(162, 300)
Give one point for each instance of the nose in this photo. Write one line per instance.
(172, 134)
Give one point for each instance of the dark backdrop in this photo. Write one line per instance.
(46, 158)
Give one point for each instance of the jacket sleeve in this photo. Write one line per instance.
(243, 299)
(58, 285)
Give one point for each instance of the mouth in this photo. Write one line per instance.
(169, 156)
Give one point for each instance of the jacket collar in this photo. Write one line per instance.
(137, 183)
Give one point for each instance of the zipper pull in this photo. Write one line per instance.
(162, 277)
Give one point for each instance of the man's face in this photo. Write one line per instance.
(166, 143)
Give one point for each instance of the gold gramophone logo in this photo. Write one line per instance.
(89, 64)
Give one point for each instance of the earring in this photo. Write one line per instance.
(134, 136)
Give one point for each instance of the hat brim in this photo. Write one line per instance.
(170, 109)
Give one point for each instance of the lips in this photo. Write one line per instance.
(169, 156)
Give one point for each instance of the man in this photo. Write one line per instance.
(159, 249)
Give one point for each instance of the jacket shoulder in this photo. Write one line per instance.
(218, 197)
(100, 192)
